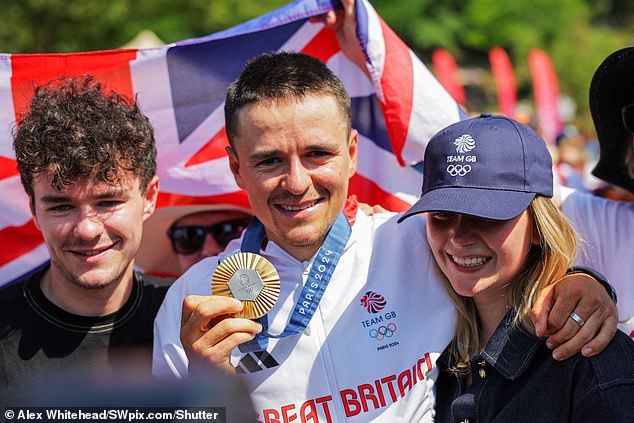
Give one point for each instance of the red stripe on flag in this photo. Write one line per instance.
(370, 193)
(397, 82)
(237, 198)
(214, 149)
(8, 168)
(21, 239)
(323, 45)
(350, 208)
(110, 67)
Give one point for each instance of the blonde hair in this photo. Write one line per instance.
(545, 264)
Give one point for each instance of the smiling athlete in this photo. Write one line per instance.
(361, 315)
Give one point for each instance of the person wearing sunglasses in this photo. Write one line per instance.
(606, 226)
(204, 234)
(178, 236)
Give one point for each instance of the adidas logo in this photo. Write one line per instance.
(253, 362)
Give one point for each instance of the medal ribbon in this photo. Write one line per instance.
(320, 273)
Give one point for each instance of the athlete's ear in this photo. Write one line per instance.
(234, 165)
(353, 147)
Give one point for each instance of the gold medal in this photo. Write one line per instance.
(249, 278)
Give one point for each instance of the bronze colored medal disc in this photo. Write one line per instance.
(249, 278)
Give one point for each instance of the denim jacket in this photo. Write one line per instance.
(515, 379)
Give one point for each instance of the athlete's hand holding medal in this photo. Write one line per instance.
(245, 287)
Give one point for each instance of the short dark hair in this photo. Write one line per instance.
(282, 76)
(73, 129)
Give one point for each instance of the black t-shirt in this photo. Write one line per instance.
(40, 342)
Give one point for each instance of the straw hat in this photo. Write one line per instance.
(155, 254)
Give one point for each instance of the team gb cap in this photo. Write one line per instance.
(488, 166)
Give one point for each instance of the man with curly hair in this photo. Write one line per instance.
(87, 160)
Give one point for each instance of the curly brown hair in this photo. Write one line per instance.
(74, 130)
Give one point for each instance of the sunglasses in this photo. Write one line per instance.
(190, 239)
(627, 115)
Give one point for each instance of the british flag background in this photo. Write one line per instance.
(181, 88)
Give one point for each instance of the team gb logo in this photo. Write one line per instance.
(373, 302)
(464, 143)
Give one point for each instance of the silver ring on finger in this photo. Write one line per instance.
(578, 320)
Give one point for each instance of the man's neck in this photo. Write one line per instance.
(301, 253)
(82, 301)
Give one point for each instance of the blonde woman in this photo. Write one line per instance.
(498, 239)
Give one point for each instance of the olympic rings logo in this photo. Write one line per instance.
(458, 170)
(383, 332)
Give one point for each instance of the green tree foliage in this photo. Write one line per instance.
(44, 26)
(577, 34)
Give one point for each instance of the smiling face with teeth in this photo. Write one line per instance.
(481, 257)
(294, 157)
(92, 230)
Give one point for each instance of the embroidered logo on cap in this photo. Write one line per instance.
(464, 143)
(458, 170)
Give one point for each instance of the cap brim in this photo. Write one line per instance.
(485, 203)
(610, 89)
(155, 253)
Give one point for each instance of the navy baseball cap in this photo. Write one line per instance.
(488, 166)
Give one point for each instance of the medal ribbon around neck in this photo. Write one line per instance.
(320, 273)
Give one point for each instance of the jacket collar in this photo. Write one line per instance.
(511, 348)
(509, 351)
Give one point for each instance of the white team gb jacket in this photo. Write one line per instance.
(370, 350)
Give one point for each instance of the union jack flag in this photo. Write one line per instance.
(181, 88)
